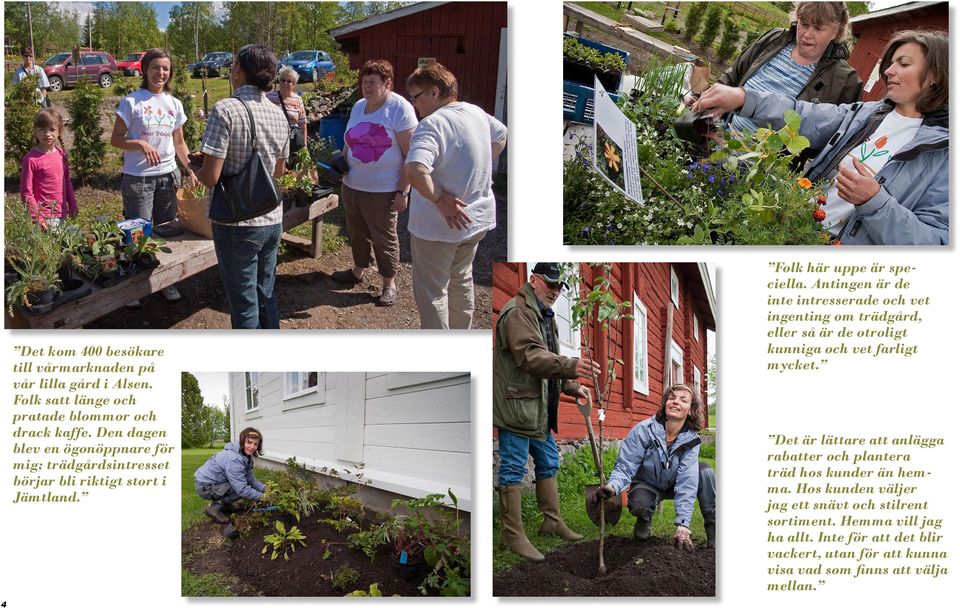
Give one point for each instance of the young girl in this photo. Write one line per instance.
(45, 175)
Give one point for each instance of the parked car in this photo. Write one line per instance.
(310, 65)
(95, 66)
(131, 65)
(216, 63)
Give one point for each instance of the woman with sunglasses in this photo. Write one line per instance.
(375, 189)
(292, 106)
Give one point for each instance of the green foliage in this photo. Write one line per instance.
(55, 25)
(283, 541)
(322, 148)
(19, 111)
(88, 151)
(347, 509)
(295, 493)
(344, 577)
(578, 470)
(194, 19)
(125, 86)
(193, 127)
(37, 265)
(747, 194)
(672, 26)
(751, 37)
(729, 39)
(691, 24)
(708, 451)
(374, 591)
(592, 58)
(122, 28)
(193, 418)
(370, 541)
(711, 26)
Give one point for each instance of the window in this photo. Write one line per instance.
(697, 379)
(674, 288)
(569, 336)
(696, 327)
(251, 389)
(299, 383)
(90, 60)
(676, 364)
(641, 378)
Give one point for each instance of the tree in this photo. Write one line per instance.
(20, 110)
(691, 23)
(194, 30)
(358, 11)
(126, 27)
(729, 39)
(711, 26)
(194, 418)
(54, 29)
(858, 8)
(86, 156)
(712, 382)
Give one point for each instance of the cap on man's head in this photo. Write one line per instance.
(549, 271)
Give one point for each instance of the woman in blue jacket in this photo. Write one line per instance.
(889, 160)
(227, 476)
(658, 459)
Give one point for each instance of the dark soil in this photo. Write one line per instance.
(306, 573)
(634, 569)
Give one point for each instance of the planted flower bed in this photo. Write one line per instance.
(324, 543)
(737, 189)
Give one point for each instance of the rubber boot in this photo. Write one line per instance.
(215, 512)
(230, 531)
(550, 506)
(230, 508)
(513, 537)
(641, 529)
(710, 527)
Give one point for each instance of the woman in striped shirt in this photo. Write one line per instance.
(292, 106)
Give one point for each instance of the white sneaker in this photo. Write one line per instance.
(133, 304)
(171, 293)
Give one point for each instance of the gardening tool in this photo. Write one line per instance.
(270, 508)
(695, 127)
(612, 507)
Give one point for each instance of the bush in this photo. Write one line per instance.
(694, 17)
(88, 145)
(125, 86)
(20, 110)
(729, 39)
(672, 26)
(712, 25)
(752, 36)
(193, 128)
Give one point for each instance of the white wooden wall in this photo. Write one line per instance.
(407, 433)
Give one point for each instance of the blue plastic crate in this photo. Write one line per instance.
(577, 98)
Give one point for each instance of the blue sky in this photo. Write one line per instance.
(162, 8)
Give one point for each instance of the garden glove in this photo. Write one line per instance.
(681, 540)
(603, 493)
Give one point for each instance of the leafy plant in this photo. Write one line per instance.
(283, 541)
(322, 148)
(346, 508)
(369, 541)
(729, 39)
(193, 127)
(38, 267)
(287, 182)
(89, 149)
(577, 52)
(19, 111)
(374, 591)
(345, 576)
(302, 160)
(125, 86)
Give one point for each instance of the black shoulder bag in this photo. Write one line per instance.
(248, 194)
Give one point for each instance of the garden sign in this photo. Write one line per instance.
(615, 145)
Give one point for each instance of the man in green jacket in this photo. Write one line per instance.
(527, 377)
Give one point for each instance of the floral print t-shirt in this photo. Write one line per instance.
(151, 117)
(893, 133)
(373, 154)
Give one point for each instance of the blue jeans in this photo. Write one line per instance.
(513, 457)
(643, 498)
(247, 257)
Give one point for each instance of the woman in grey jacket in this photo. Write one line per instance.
(659, 458)
(889, 160)
(227, 476)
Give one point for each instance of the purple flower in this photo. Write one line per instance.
(712, 178)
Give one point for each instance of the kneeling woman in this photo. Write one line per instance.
(658, 459)
(889, 159)
(227, 476)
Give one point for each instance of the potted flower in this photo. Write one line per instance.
(287, 184)
(38, 272)
(581, 62)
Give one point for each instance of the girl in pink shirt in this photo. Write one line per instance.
(45, 175)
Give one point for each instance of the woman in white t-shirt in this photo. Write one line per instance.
(889, 160)
(375, 189)
(450, 166)
(149, 130)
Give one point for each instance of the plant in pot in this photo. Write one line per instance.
(38, 271)
(303, 191)
(287, 184)
(581, 63)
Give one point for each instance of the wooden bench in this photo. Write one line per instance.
(190, 255)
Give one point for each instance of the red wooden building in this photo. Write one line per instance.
(874, 30)
(673, 307)
(468, 38)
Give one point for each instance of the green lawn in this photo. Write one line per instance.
(571, 481)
